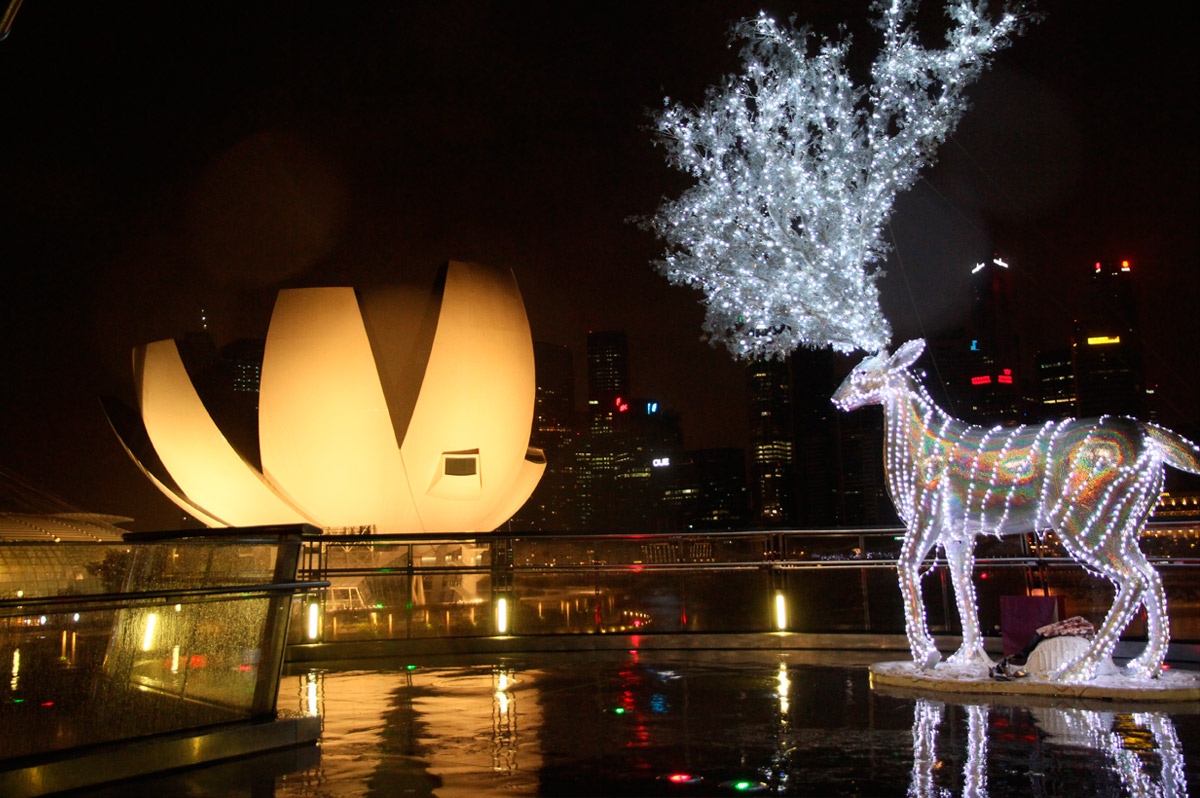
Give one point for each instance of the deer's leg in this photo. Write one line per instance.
(917, 544)
(1148, 665)
(961, 555)
(1129, 590)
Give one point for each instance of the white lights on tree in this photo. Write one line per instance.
(797, 169)
(1094, 481)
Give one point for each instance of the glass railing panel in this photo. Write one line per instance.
(115, 641)
(731, 600)
(88, 677)
(554, 602)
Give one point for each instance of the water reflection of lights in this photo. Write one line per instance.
(1129, 742)
(312, 693)
(504, 723)
(16, 670)
(782, 690)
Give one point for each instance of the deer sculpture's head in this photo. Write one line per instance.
(878, 375)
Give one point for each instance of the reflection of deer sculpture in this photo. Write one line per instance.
(1105, 732)
(1094, 481)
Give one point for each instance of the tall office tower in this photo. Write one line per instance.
(839, 455)
(772, 448)
(1055, 375)
(1107, 347)
(554, 503)
(707, 490)
(973, 371)
(608, 378)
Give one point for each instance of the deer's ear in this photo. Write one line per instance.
(907, 354)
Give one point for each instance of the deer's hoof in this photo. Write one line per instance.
(971, 656)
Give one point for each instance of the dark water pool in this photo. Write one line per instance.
(693, 723)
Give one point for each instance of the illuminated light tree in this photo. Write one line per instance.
(797, 169)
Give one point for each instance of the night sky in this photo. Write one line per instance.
(162, 159)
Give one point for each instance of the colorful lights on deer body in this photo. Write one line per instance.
(1094, 481)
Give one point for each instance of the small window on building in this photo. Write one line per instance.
(461, 466)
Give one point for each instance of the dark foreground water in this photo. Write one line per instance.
(692, 723)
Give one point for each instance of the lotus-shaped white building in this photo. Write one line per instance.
(376, 411)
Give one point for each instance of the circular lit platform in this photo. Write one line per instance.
(1171, 686)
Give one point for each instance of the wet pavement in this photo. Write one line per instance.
(691, 723)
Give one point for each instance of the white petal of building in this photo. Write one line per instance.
(386, 410)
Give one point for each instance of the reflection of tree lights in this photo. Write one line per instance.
(148, 637)
(16, 669)
(175, 659)
(782, 689)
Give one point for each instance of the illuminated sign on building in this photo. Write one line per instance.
(984, 380)
(660, 462)
(1103, 339)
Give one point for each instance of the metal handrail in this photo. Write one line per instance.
(159, 596)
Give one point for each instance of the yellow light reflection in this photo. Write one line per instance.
(148, 637)
(782, 689)
(501, 616)
(314, 620)
(780, 612)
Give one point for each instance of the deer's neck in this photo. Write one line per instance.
(914, 426)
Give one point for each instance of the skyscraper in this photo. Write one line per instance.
(1108, 346)
(772, 447)
(607, 378)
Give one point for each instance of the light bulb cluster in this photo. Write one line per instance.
(1093, 481)
(797, 169)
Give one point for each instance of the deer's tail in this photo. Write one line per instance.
(1177, 451)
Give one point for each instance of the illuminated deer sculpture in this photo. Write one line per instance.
(1093, 481)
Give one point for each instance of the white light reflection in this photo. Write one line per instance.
(16, 669)
(1143, 750)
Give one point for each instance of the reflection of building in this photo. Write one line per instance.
(384, 411)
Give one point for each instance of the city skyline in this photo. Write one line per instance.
(165, 164)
